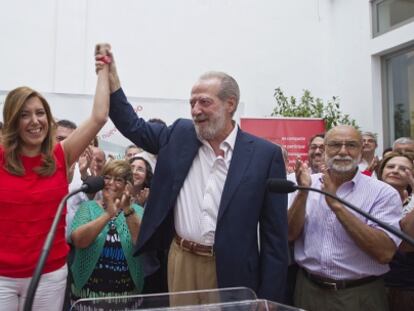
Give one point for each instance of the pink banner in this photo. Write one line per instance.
(291, 133)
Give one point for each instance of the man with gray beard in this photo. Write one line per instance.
(208, 194)
(341, 254)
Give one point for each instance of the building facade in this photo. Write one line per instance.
(358, 50)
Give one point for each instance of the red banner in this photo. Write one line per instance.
(291, 133)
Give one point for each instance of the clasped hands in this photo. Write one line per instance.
(115, 204)
(303, 178)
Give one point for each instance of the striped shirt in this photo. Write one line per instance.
(326, 249)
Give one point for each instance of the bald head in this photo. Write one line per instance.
(344, 130)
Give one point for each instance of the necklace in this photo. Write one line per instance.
(111, 222)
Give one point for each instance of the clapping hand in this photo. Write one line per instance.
(142, 196)
(111, 203)
(373, 165)
(302, 173)
(125, 202)
(408, 176)
(329, 186)
(85, 161)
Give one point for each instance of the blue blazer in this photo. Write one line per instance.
(244, 205)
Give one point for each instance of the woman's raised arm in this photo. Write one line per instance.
(76, 143)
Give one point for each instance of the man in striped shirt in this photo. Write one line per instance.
(342, 254)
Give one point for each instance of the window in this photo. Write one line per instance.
(390, 14)
(399, 100)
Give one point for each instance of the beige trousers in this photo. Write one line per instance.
(189, 272)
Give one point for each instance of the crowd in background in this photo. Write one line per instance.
(330, 252)
(187, 208)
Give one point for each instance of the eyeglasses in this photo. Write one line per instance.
(117, 180)
(313, 147)
(138, 169)
(336, 146)
(369, 141)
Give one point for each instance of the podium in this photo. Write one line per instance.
(224, 299)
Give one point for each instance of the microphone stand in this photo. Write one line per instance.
(384, 225)
(45, 252)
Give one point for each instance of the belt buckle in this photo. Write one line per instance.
(181, 242)
(192, 247)
(331, 284)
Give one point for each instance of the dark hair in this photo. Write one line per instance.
(148, 170)
(386, 150)
(67, 124)
(1, 125)
(156, 120)
(321, 135)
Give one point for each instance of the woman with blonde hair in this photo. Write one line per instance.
(104, 232)
(33, 180)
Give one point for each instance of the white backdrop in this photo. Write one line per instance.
(162, 46)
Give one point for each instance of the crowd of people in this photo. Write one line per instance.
(188, 207)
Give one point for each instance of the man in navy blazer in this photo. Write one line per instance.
(208, 193)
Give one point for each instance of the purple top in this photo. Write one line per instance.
(325, 248)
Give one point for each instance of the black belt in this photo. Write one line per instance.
(337, 284)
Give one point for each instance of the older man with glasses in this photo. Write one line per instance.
(316, 153)
(342, 255)
(369, 161)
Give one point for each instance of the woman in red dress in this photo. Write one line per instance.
(33, 180)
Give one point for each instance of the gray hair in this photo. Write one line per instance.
(357, 131)
(370, 134)
(228, 88)
(403, 141)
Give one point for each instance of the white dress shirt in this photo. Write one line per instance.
(196, 210)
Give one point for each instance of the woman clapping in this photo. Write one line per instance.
(103, 233)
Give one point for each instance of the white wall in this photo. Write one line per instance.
(350, 62)
(161, 47)
(380, 46)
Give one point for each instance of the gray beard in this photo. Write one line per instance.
(341, 168)
(206, 134)
(214, 127)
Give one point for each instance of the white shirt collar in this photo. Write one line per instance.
(230, 140)
(228, 143)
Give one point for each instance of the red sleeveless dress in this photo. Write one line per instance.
(27, 207)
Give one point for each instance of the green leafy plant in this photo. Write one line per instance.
(401, 121)
(311, 107)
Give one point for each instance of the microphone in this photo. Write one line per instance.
(278, 185)
(92, 184)
(286, 186)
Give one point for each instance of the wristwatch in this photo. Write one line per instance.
(129, 212)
